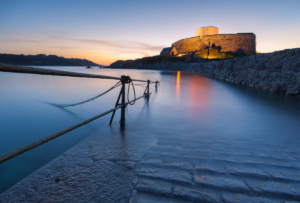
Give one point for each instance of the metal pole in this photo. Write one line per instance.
(122, 121)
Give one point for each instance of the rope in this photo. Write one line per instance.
(42, 71)
(67, 105)
(41, 141)
(130, 82)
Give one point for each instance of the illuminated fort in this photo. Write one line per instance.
(208, 39)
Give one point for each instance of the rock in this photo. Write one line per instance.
(265, 85)
(293, 87)
(273, 77)
(287, 67)
(276, 67)
(285, 77)
(249, 65)
(296, 67)
(264, 75)
(270, 71)
(274, 60)
(261, 66)
(275, 86)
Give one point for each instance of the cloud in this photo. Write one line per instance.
(69, 45)
(122, 44)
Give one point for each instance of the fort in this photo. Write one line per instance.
(209, 43)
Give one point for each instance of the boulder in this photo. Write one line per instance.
(285, 77)
(276, 67)
(293, 87)
(287, 67)
(261, 66)
(296, 67)
(274, 60)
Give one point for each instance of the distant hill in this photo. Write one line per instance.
(43, 60)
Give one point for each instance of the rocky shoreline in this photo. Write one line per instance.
(278, 71)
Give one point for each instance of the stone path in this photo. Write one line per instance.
(143, 167)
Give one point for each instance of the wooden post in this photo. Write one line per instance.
(122, 121)
(148, 85)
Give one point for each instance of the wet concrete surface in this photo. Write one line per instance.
(145, 168)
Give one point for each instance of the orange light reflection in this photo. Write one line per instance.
(199, 92)
(178, 85)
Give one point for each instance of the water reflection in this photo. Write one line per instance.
(199, 93)
(178, 85)
(186, 107)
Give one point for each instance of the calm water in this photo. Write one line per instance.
(186, 106)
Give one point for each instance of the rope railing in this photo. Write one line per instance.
(48, 138)
(42, 71)
(123, 80)
(75, 104)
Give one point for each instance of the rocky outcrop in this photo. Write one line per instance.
(277, 71)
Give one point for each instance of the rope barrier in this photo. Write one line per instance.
(130, 82)
(68, 105)
(42, 71)
(123, 81)
(41, 141)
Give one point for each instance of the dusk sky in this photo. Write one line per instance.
(104, 31)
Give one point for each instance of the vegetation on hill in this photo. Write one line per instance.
(158, 59)
(43, 60)
(221, 55)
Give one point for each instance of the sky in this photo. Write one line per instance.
(104, 31)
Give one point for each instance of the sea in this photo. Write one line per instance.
(185, 106)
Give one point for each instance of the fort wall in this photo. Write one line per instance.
(188, 45)
(227, 42)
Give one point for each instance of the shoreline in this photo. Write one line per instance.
(275, 72)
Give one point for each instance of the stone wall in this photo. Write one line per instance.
(232, 42)
(228, 42)
(189, 45)
(277, 71)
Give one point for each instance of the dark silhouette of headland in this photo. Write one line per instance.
(43, 60)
